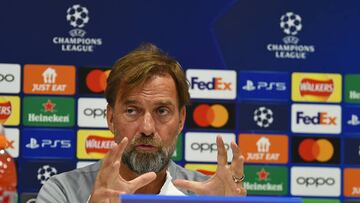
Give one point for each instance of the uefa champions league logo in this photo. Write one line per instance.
(290, 23)
(263, 117)
(45, 172)
(78, 17)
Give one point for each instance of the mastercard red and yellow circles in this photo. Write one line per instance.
(96, 80)
(215, 115)
(316, 150)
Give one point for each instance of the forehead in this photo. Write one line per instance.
(160, 88)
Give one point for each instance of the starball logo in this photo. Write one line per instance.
(212, 84)
(316, 87)
(311, 118)
(291, 24)
(315, 181)
(78, 17)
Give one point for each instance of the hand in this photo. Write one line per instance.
(109, 184)
(221, 183)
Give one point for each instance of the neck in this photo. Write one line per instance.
(151, 188)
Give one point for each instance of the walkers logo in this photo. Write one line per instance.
(315, 181)
(206, 169)
(212, 116)
(48, 111)
(264, 85)
(94, 144)
(291, 25)
(262, 116)
(351, 118)
(212, 84)
(78, 17)
(10, 77)
(35, 173)
(310, 118)
(316, 150)
(92, 112)
(9, 110)
(352, 150)
(93, 80)
(352, 88)
(178, 153)
(351, 182)
(49, 79)
(316, 87)
(49, 143)
(260, 148)
(12, 139)
(202, 146)
(266, 180)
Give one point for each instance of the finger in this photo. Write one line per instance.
(120, 150)
(237, 164)
(142, 180)
(196, 187)
(113, 153)
(222, 153)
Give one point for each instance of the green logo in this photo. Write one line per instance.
(352, 88)
(320, 201)
(266, 180)
(48, 111)
(177, 155)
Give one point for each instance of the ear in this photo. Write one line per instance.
(182, 117)
(110, 117)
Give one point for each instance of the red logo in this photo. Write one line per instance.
(96, 80)
(323, 88)
(263, 175)
(49, 106)
(5, 110)
(98, 144)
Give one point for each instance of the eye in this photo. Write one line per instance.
(131, 111)
(163, 111)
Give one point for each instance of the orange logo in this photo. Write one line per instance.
(320, 150)
(351, 182)
(206, 169)
(49, 79)
(96, 80)
(9, 110)
(258, 148)
(210, 115)
(94, 144)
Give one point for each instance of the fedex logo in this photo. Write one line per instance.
(308, 118)
(321, 118)
(212, 84)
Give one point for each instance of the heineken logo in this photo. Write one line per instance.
(48, 111)
(266, 180)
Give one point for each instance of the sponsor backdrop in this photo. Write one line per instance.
(279, 78)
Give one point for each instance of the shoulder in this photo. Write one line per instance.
(179, 172)
(71, 186)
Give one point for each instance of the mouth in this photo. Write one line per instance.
(146, 147)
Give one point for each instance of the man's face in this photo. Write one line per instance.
(149, 116)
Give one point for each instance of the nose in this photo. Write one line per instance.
(148, 126)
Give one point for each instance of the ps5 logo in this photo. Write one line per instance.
(263, 85)
(47, 143)
(354, 121)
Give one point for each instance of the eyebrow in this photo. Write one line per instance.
(158, 103)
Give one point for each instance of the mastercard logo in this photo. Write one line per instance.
(321, 150)
(215, 115)
(96, 80)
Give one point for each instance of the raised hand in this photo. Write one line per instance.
(109, 184)
(227, 179)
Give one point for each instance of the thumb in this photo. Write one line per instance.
(196, 187)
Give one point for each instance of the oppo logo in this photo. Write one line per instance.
(315, 181)
(7, 77)
(206, 147)
(95, 112)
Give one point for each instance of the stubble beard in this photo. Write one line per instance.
(142, 162)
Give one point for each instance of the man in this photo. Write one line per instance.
(147, 95)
